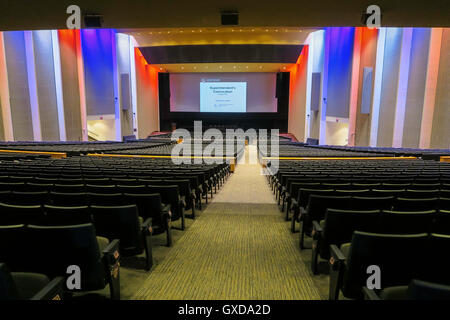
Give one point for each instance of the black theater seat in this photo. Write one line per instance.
(150, 207)
(28, 286)
(62, 216)
(123, 223)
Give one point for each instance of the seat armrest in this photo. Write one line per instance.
(370, 294)
(111, 252)
(183, 201)
(165, 210)
(147, 226)
(52, 291)
(317, 230)
(337, 257)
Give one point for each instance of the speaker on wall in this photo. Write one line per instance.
(315, 91)
(366, 99)
(125, 98)
(93, 21)
(229, 18)
(164, 85)
(282, 85)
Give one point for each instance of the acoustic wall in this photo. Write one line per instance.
(440, 134)
(70, 84)
(416, 87)
(46, 87)
(19, 94)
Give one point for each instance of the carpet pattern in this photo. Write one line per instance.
(232, 251)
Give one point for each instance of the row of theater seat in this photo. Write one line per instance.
(391, 214)
(88, 213)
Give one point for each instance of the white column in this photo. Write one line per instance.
(354, 87)
(117, 120)
(434, 55)
(133, 44)
(402, 87)
(32, 85)
(58, 86)
(324, 93)
(82, 86)
(375, 113)
(4, 94)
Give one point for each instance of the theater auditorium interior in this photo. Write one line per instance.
(220, 150)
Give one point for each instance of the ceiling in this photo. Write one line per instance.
(223, 67)
(51, 14)
(148, 37)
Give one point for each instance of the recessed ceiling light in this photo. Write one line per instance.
(276, 30)
(195, 67)
(206, 67)
(232, 30)
(234, 67)
(217, 30)
(260, 67)
(284, 68)
(267, 30)
(182, 68)
(220, 67)
(193, 30)
(246, 67)
(253, 29)
(181, 31)
(240, 30)
(200, 30)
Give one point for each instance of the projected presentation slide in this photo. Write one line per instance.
(223, 96)
(209, 92)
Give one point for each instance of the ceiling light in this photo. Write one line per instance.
(267, 30)
(246, 67)
(234, 67)
(284, 68)
(217, 30)
(260, 67)
(253, 29)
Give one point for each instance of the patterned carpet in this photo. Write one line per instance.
(234, 251)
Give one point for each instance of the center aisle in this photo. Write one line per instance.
(238, 248)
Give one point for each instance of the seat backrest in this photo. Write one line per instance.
(132, 188)
(304, 193)
(29, 198)
(72, 245)
(391, 253)
(104, 189)
(148, 205)
(412, 193)
(119, 222)
(13, 245)
(437, 259)
(424, 290)
(444, 203)
(372, 203)
(340, 224)
(63, 216)
(406, 222)
(318, 205)
(11, 214)
(68, 199)
(69, 188)
(8, 289)
(100, 199)
(415, 204)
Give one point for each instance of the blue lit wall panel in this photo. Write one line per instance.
(97, 49)
(339, 70)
